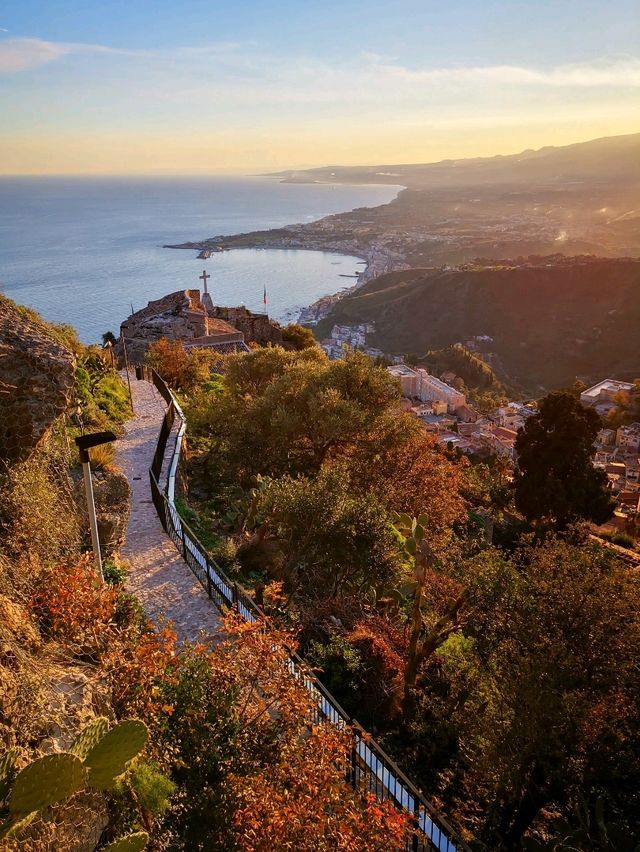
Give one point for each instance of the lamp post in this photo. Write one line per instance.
(84, 443)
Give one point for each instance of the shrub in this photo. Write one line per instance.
(225, 554)
(623, 540)
(152, 788)
(339, 665)
(103, 457)
(38, 516)
(72, 606)
(113, 572)
(298, 337)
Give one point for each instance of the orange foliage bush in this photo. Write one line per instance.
(379, 643)
(411, 474)
(73, 606)
(140, 670)
(182, 370)
(286, 781)
(303, 803)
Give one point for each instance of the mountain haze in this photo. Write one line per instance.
(609, 159)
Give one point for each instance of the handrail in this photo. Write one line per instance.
(370, 767)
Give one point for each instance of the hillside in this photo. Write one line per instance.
(612, 159)
(551, 319)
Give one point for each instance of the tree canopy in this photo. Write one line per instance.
(555, 479)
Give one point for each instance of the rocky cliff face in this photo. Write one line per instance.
(36, 381)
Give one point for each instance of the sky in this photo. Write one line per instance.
(202, 86)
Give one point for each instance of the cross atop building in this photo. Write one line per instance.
(205, 275)
(206, 298)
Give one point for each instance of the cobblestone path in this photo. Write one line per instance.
(157, 575)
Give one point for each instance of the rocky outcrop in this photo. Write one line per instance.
(36, 380)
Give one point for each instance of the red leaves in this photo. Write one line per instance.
(74, 607)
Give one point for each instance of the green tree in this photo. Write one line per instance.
(298, 337)
(289, 412)
(335, 542)
(556, 632)
(555, 480)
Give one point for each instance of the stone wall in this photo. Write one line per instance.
(257, 328)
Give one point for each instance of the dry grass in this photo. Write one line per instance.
(103, 457)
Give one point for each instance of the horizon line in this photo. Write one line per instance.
(257, 171)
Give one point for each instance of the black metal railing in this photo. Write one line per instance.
(370, 768)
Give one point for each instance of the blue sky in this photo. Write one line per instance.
(206, 86)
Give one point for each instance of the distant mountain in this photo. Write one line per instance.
(610, 159)
(550, 319)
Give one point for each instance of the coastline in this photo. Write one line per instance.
(318, 235)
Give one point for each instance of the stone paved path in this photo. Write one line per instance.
(157, 575)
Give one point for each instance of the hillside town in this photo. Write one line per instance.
(444, 410)
(457, 425)
(617, 451)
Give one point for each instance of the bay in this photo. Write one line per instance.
(83, 250)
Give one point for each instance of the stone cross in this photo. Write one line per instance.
(204, 278)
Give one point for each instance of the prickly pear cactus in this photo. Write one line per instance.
(109, 756)
(7, 762)
(131, 843)
(45, 781)
(13, 825)
(89, 737)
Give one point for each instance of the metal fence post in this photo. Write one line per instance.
(208, 576)
(416, 816)
(184, 542)
(351, 769)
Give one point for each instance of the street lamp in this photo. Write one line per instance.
(84, 443)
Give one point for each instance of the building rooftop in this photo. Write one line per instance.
(631, 429)
(401, 370)
(610, 385)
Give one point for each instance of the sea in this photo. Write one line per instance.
(87, 250)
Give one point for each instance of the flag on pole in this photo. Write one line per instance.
(264, 296)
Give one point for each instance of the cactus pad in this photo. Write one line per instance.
(15, 824)
(131, 843)
(7, 762)
(109, 757)
(89, 737)
(45, 781)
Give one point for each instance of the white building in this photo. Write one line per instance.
(419, 383)
(604, 392)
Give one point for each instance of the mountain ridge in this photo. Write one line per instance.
(625, 147)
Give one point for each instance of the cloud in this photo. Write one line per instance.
(617, 71)
(300, 77)
(18, 54)
(21, 54)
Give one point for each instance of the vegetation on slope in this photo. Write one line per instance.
(550, 320)
(220, 770)
(502, 677)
